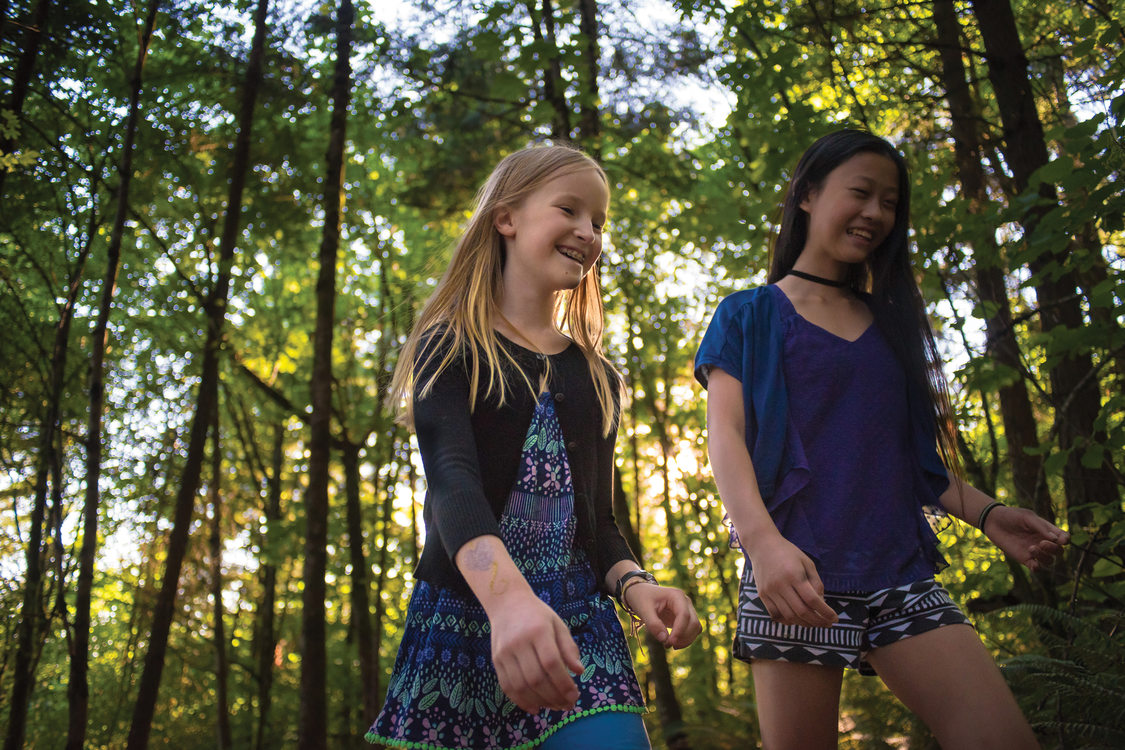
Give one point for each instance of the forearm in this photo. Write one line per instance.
(491, 573)
(738, 487)
(962, 500)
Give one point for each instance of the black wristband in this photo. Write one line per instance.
(644, 575)
(986, 511)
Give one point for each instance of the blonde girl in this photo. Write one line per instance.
(511, 639)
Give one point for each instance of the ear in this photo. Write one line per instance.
(806, 202)
(504, 221)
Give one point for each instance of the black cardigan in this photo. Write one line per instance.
(471, 460)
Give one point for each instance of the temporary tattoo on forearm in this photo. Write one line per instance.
(494, 586)
(479, 557)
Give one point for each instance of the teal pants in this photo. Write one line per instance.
(608, 730)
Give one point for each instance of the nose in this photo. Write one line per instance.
(584, 230)
(875, 210)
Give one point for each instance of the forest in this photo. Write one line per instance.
(218, 221)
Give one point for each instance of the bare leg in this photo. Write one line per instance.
(949, 679)
(798, 704)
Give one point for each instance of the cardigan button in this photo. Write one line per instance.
(560, 396)
(571, 445)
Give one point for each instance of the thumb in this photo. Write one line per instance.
(568, 648)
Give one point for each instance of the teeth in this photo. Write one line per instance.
(861, 233)
(573, 254)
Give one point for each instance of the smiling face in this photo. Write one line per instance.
(852, 211)
(554, 236)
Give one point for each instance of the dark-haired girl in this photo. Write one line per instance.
(829, 435)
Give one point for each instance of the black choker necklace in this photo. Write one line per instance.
(816, 279)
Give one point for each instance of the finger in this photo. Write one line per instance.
(572, 659)
(779, 610)
(804, 614)
(515, 686)
(685, 626)
(552, 678)
(811, 607)
(534, 692)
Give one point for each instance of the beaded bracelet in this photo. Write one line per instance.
(985, 511)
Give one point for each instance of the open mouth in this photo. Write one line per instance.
(862, 234)
(573, 254)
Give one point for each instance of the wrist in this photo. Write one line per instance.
(758, 539)
(628, 578)
(512, 599)
(986, 511)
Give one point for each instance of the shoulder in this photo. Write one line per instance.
(745, 309)
(748, 299)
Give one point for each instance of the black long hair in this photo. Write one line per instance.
(886, 274)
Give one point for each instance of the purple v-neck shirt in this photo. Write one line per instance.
(848, 403)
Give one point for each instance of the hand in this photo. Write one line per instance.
(667, 612)
(532, 649)
(1029, 539)
(789, 585)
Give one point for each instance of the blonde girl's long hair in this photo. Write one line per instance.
(457, 320)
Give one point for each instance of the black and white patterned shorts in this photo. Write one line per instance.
(867, 621)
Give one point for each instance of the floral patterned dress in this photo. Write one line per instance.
(444, 692)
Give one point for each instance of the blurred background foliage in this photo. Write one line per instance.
(123, 195)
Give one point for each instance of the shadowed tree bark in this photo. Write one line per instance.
(265, 632)
(215, 308)
(1075, 392)
(32, 619)
(25, 68)
(1020, 428)
(313, 721)
(78, 688)
(589, 120)
(222, 668)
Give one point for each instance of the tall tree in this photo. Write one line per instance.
(1075, 391)
(78, 688)
(32, 620)
(218, 627)
(215, 311)
(313, 726)
(1002, 345)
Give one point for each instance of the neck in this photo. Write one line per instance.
(838, 283)
(531, 318)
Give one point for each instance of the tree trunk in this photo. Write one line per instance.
(589, 124)
(312, 725)
(222, 669)
(215, 309)
(1074, 386)
(265, 639)
(31, 617)
(360, 599)
(554, 87)
(1020, 427)
(25, 70)
(78, 689)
